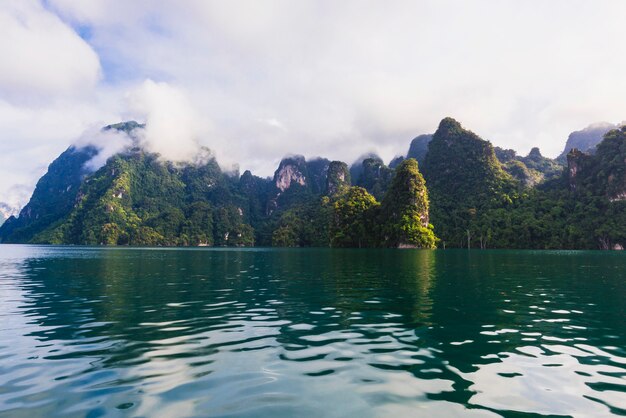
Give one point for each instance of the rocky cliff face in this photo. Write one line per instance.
(586, 139)
(317, 171)
(419, 147)
(598, 183)
(610, 159)
(338, 178)
(603, 173)
(576, 161)
(292, 170)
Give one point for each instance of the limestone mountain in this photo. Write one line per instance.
(373, 175)
(586, 139)
(547, 168)
(55, 195)
(404, 211)
(464, 177)
(6, 211)
(292, 171)
(338, 178)
(473, 194)
(419, 147)
(137, 199)
(356, 169)
(530, 170)
(602, 173)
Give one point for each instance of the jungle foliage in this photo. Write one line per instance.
(474, 195)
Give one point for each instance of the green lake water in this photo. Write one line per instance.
(91, 332)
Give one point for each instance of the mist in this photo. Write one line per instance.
(173, 126)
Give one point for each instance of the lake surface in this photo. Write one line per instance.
(311, 333)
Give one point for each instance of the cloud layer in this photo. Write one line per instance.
(173, 128)
(255, 80)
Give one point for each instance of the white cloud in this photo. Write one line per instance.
(173, 127)
(41, 56)
(108, 143)
(31, 137)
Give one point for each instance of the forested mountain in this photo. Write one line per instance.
(5, 212)
(453, 189)
(530, 170)
(465, 179)
(419, 147)
(54, 195)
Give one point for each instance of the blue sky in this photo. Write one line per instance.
(256, 79)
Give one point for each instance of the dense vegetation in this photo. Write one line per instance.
(476, 204)
(475, 195)
(465, 180)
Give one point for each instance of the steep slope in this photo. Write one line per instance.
(317, 170)
(530, 170)
(464, 178)
(6, 211)
(586, 139)
(337, 179)
(603, 173)
(404, 210)
(548, 168)
(54, 196)
(356, 169)
(139, 200)
(374, 176)
(419, 147)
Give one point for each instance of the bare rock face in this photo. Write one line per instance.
(586, 139)
(602, 173)
(575, 164)
(618, 197)
(291, 170)
(316, 174)
(338, 178)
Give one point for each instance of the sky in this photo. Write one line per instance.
(255, 80)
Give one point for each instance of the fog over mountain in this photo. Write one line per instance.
(255, 80)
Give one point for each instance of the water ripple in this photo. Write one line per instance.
(148, 332)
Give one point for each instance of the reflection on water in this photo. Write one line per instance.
(369, 333)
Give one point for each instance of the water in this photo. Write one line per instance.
(338, 333)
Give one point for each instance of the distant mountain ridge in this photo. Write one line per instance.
(586, 139)
(476, 196)
(6, 211)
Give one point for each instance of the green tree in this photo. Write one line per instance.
(353, 221)
(404, 209)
